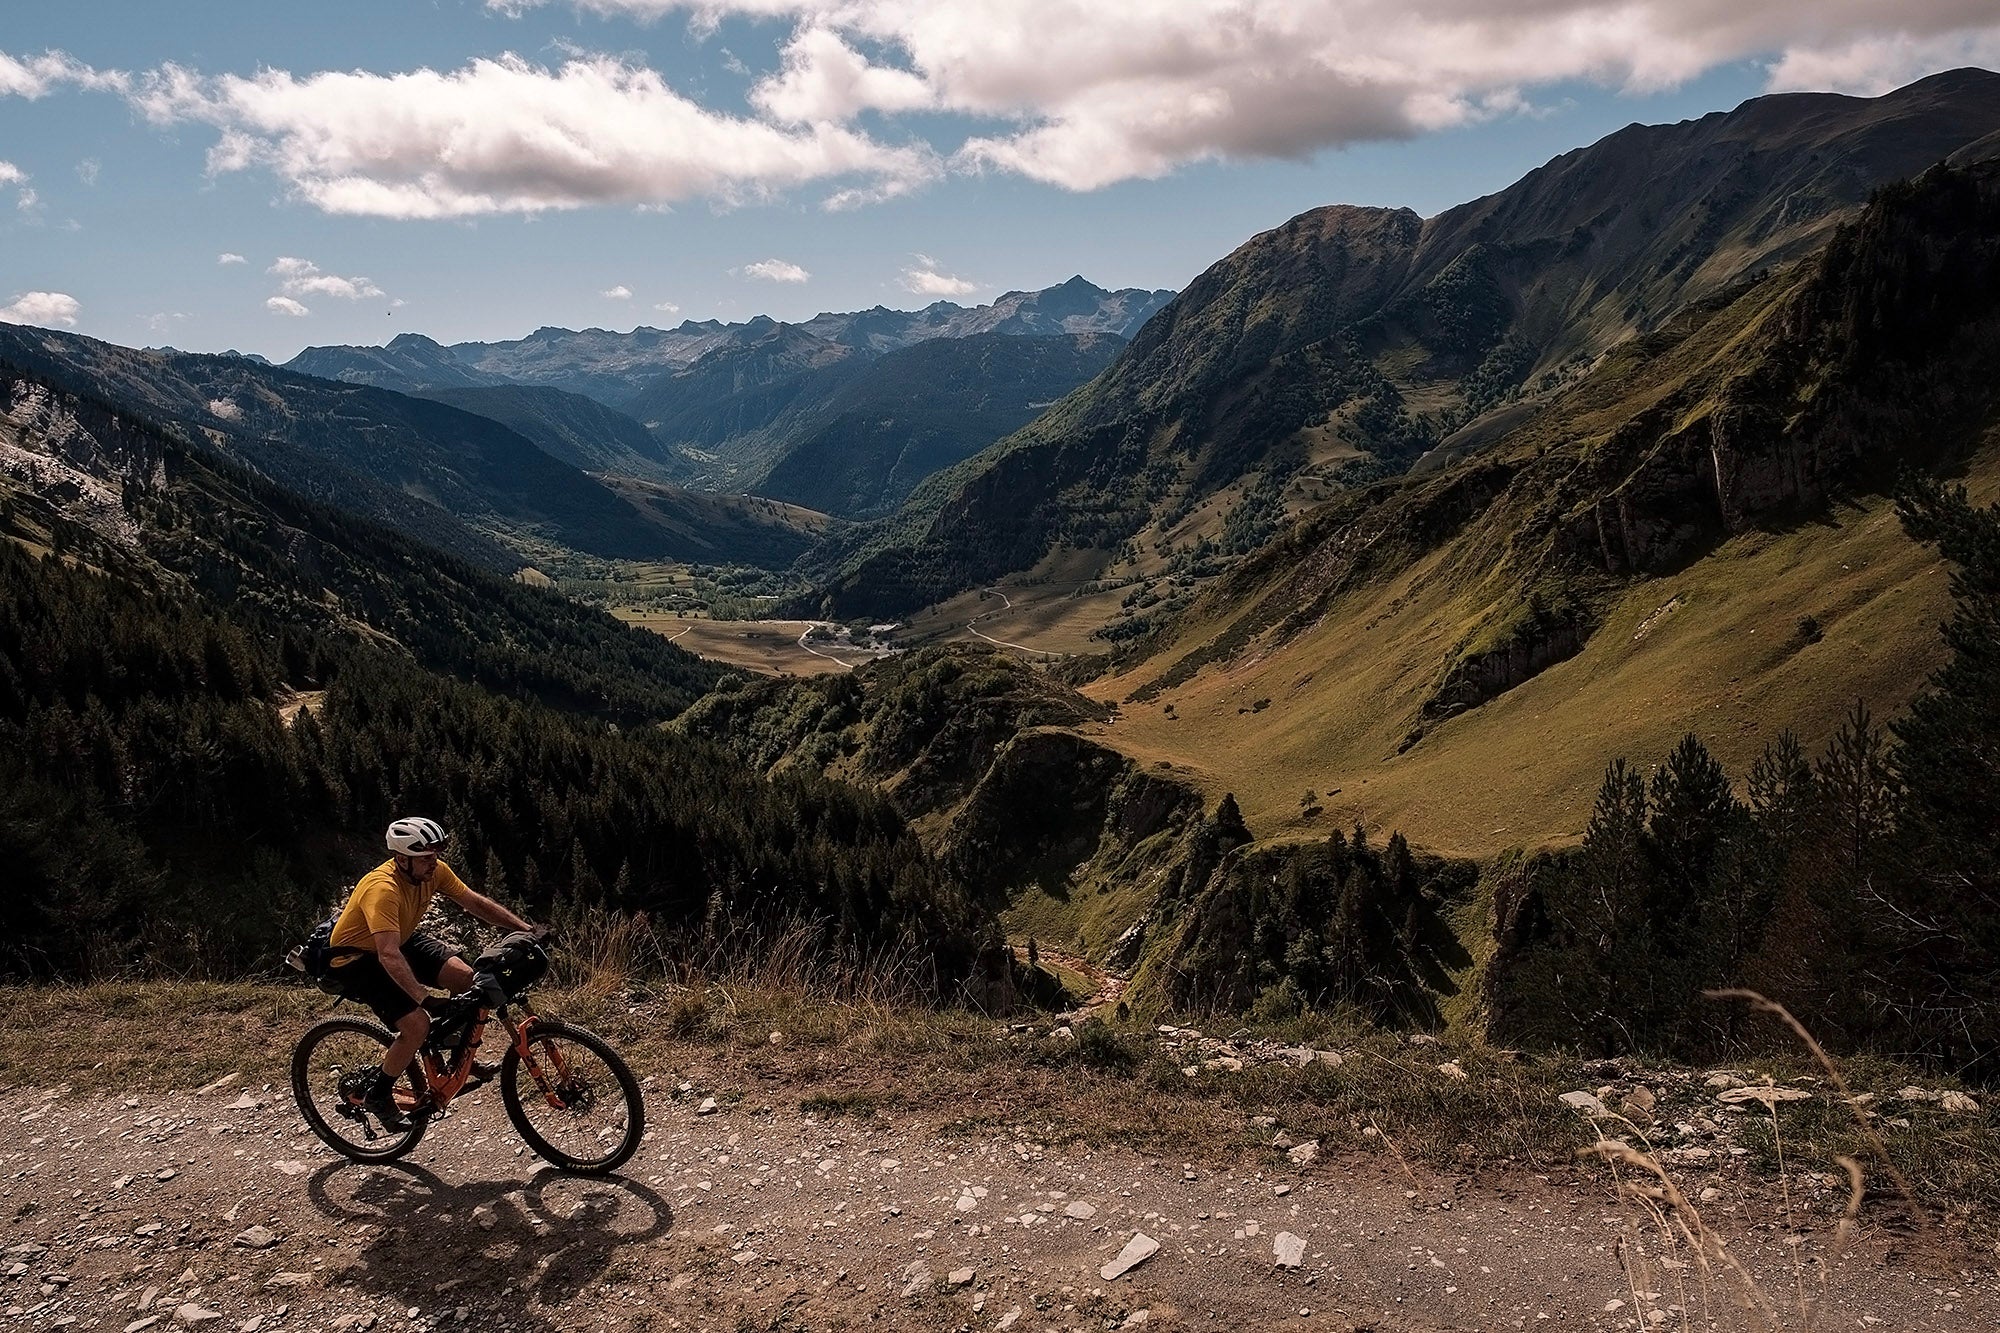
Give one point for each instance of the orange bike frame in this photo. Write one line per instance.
(445, 1081)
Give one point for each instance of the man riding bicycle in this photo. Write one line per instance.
(380, 959)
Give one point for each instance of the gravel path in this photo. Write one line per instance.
(218, 1210)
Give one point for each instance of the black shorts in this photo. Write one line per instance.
(363, 980)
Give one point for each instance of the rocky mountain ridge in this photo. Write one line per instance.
(614, 367)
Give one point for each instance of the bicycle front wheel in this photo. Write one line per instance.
(332, 1068)
(578, 1105)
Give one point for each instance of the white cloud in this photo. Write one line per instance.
(772, 270)
(619, 293)
(43, 308)
(88, 169)
(1874, 64)
(507, 136)
(302, 277)
(924, 279)
(37, 76)
(826, 79)
(1091, 93)
(28, 202)
(285, 305)
(667, 308)
(230, 257)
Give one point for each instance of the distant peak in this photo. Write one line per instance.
(411, 340)
(1966, 76)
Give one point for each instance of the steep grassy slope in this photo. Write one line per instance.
(1692, 538)
(1382, 331)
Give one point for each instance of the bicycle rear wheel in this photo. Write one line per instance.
(590, 1117)
(332, 1066)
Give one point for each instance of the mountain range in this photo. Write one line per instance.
(725, 405)
(1350, 341)
(615, 367)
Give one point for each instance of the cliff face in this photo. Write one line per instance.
(1055, 809)
(75, 455)
(983, 753)
(1878, 359)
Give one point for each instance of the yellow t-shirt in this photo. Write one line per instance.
(387, 899)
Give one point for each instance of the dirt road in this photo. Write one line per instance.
(219, 1210)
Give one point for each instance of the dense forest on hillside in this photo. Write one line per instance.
(1334, 923)
(158, 813)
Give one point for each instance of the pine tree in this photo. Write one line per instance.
(1858, 790)
(1945, 902)
(1693, 809)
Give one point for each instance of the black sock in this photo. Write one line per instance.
(384, 1081)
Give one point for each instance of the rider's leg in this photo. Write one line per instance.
(456, 976)
(411, 1029)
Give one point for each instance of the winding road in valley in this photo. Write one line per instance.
(973, 625)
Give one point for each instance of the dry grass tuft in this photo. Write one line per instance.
(1666, 1238)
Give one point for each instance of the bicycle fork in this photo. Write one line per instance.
(519, 1034)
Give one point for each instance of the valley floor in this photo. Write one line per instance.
(830, 1190)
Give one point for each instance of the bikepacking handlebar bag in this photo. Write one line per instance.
(516, 962)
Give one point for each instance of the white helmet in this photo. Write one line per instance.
(416, 837)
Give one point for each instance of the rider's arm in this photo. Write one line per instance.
(492, 913)
(389, 951)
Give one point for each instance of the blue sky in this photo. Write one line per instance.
(692, 153)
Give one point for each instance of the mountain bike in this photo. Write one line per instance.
(571, 1096)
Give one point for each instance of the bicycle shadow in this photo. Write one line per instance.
(549, 1237)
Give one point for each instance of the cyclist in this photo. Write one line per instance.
(382, 961)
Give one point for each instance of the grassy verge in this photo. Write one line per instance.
(965, 1074)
